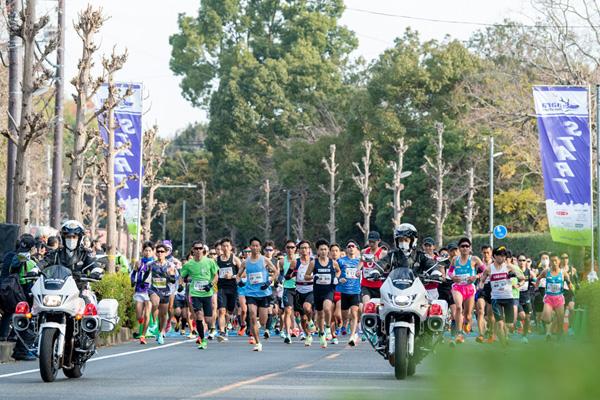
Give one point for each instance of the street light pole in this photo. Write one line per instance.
(492, 191)
(288, 215)
(183, 232)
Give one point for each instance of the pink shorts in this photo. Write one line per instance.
(467, 291)
(554, 301)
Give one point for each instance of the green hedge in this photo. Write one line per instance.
(589, 296)
(118, 286)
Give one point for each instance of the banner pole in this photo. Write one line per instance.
(136, 251)
(597, 179)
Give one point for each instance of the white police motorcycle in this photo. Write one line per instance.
(403, 325)
(66, 321)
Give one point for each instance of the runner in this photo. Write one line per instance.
(181, 303)
(289, 289)
(502, 298)
(305, 297)
(569, 293)
(172, 286)
(242, 306)
(258, 287)
(227, 295)
(163, 273)
(370, 289)
(553, 298)
(269, 251)
(326, 272)
(335, 252)
(204, 273)
(445, 290)
(525, 307)
(140, 278)
(540, 290)
(463, 289)
(349, 287)
(428, 247)
(483, 307)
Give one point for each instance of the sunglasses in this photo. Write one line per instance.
(160, 251)
(247, 251)
(444, 254)
(528, 261)
(465, 246)
(564, 258)
(521, 259)
(198, 248)
(290, 247)
(212, 254)
(304, 248)
(350, 246)
(268, 249)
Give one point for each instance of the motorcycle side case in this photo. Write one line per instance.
(108, 313)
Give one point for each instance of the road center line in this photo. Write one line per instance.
(333, 355)
(105, 357)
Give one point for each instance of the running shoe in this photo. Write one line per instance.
(192, 335)
(168, 328)
(177, 326)
(302, 335)
(452, 343)
(491, 339)
(282, 334)
(311, 327)
(337, 332)
(142, 340)
(460, 338)
(480, 339)
(524, 339)
(198, 340)
(467, 328)
(520, 331)
(352, 341)
(267, 334)
(221, 337)
(211, 333)
(182, 333)
(229, 326)
(294, 333)
(308, 341)
(240, 332)
(251, 340)
(328, 334)
(136, 335)
(323, 341)
(202, 345)
(363, 337)
(344, 331)
(334, 340)
(287, 340)
(258, 347)
(359, 330)
(160, 338)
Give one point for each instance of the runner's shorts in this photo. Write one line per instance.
(372, 292)
(141, 297)
(226, 298)
(504, 310)
(203, 304)
(261, 302)
(302, 298)
(554, 301)
(350, 300)
(320, 298)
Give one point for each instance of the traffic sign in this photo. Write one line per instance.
(500, 231)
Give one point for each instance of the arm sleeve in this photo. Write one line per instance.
(288, 274)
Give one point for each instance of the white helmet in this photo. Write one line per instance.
(406, 231)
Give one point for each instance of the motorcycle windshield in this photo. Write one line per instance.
(402, 278)
(56, 275)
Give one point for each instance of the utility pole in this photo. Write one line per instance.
(183, 231)
(15, 71)
(492, 191)
(59, 109)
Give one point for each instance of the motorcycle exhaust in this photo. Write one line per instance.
(435, 323)
(20, 323)
(369, 322)
(90, 324)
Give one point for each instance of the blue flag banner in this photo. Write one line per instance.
(128, 118)
(562, 116)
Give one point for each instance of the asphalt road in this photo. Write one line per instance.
(178, 370)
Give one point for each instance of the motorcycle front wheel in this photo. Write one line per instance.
(401, 352)
(74, 372)
(49, 360)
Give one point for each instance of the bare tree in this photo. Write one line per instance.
(152, 164)
(94, 212)
(470, 210)
(108, 122)
(267, 209)
(300, 210)
(437, 172)
(203, 194)
(397, 187)
(33, 124)
(88, 24)
(362, 181)
(331, 167)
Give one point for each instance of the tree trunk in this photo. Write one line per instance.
(362, 181)
(331, 168)
(470, 208)
(299, 216)
(111, 192)
(397, 187)
(267, 207)
(203, 191)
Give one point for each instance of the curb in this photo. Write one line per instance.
(124, 335)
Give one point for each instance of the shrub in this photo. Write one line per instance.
(118, 286)
(589, 296)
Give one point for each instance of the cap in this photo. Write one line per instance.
(27, 243)
(374, 236)
(452, 246)
(168, 244)
(429, 240)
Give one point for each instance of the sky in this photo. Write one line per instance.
(144, 27)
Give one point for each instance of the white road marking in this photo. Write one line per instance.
(106, 357)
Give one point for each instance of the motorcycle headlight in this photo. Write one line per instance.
(402, 301)
(52, 300)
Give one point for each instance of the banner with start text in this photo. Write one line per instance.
(562, 116)
(128, 119)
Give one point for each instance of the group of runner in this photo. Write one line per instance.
(308, 290)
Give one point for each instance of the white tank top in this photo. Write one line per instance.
(303, 286)
(501, 287)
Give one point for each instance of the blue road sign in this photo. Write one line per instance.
(500, 231)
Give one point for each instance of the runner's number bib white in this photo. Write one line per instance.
(200, 285)
(324, 279)
(223, 271)
(350, 273)
(255, 277)
(159, 283)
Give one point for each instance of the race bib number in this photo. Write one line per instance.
(223, 271)
(323, 279)
(350, 273)
(159, 283)
(524, 287)
(553, 288)
(200, 285)
(280, 291)
(464, 278)
(255, 277)
(501, 285)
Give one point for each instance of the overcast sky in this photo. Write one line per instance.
(144, 27)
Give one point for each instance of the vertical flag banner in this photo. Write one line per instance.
(562, 116)
(128, 118)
